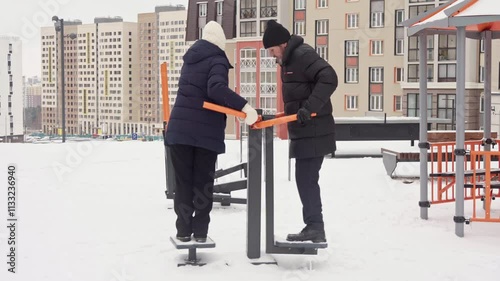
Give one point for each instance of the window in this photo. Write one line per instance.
(481, 45)
(202, 10)
(400, 17)
(447, 47)
(377, 19)
(377, 47)
(481, 103)
(481, 74)
(248, 29)
(352, 21)
(351, 102)
(413, 73)
(413, 48)
(322, 52)
(300, 27)
(351, 75)
(322, 3)
(352, 48)
(416, 10)
(300, 4)
(248, 9)
(268, 8)
(376, 102)
(376, 74)
(321, 27)
(447, 72)
(220, 8)
(398, 104)
(399, 75)
(413, 106)
(446, 110)
(399, 47)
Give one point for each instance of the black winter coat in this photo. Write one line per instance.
(309, 82)
(204, 77)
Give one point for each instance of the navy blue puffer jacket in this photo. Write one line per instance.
(204, 77)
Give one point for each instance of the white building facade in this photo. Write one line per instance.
(11, 90)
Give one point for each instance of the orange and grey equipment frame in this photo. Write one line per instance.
(280, 118)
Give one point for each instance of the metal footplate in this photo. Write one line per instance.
(302, 247)
(192, 246)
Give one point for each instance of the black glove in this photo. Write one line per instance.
(303, 115)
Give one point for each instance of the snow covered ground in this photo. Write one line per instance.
(97, 211)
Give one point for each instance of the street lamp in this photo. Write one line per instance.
(59, 26)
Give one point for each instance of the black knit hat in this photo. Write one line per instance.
(275, 34)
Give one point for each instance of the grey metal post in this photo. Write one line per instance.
(487, 94)
(192, 254)
(269, 170)
(424, 185)
(487, 88)
(170, 173)
(460, 133)
(254, 192)
(62, 84)
(241, 146)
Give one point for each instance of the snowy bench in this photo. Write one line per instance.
(391, 159)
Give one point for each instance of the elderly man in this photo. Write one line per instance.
(308, 83)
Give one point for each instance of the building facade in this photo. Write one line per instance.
(441, 74)
(162, 40)
(101, 74)
(201, 12)
(32, 105)
(11, 90)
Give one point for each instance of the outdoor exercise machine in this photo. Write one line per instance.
(260, 147)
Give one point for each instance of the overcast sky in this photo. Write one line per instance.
(23, 18)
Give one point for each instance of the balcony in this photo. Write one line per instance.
(248, 13)
(269, 12)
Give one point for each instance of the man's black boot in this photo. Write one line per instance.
(308, 234)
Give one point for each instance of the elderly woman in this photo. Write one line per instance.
(195, 135)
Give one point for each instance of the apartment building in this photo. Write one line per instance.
(11, 90)
(71, 78)
(51, 84)
(224, 12)
(118, 74)
(148, 74)
(88, 117)
(32, 105)
(257, 76)
(201, 12)
(101, 70)
(172, 46)
(364, 42)
(441, 74)
(32, 95)
(161, 39)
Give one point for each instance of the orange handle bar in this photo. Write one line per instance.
(281, 118)
(223, 109)
(276, 121)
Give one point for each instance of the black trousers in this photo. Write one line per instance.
(307, 177)
(194, 169)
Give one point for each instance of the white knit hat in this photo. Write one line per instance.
(213, 33)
